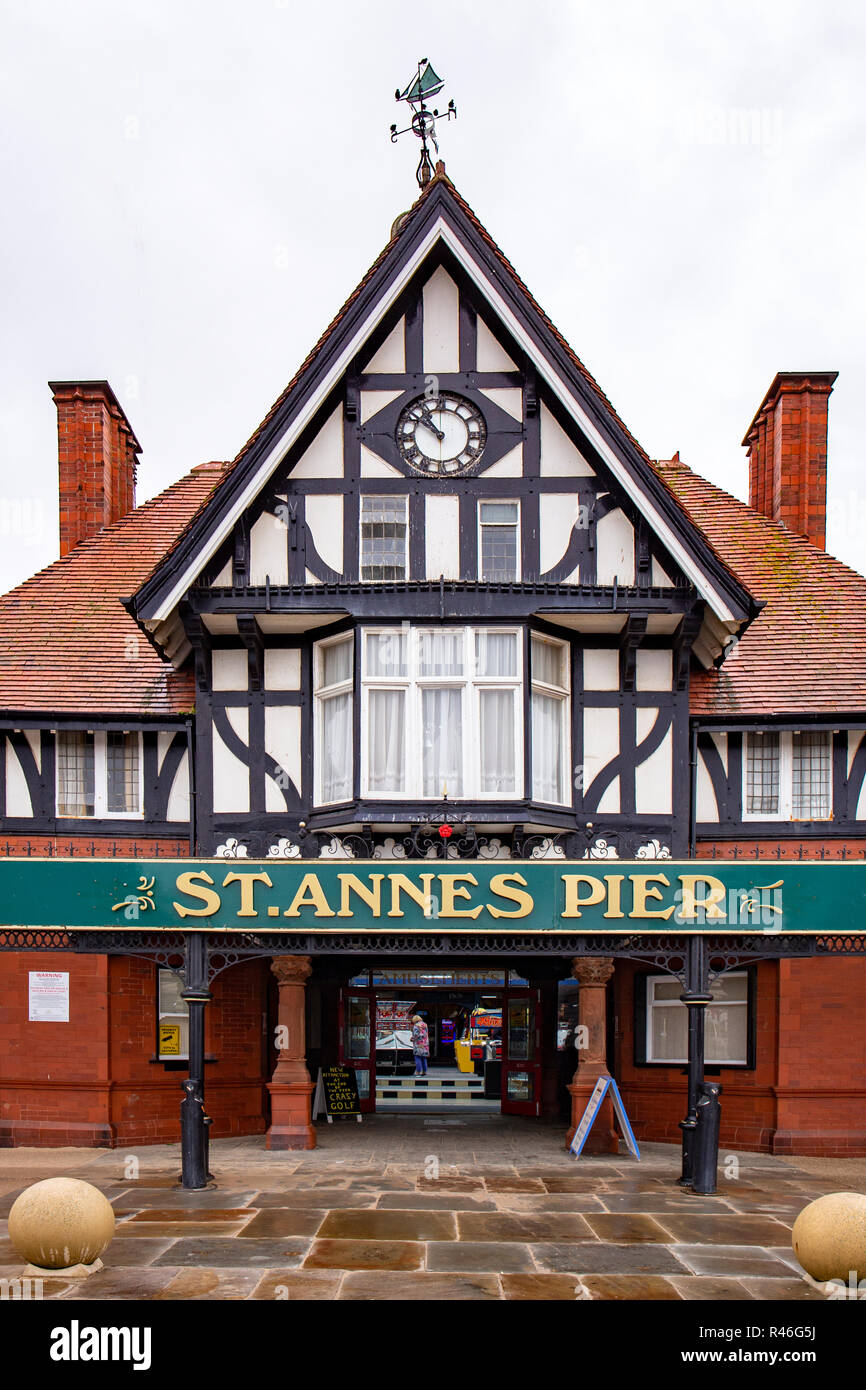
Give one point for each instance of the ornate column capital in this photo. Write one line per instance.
(292, 970)
(592, 970)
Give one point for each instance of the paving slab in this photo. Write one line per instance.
(728, 1229)
(627, 1228)
(205, 1285)
(496, 1257)
(595, 1257)
(423, 1287)
(283, 1221)
(390, 1225)
(281, 1285)
(365, 1254)
(630, 1287)
(522, 1226)
(222, 1251)
(541, 1287)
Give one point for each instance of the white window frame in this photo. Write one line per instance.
(173, 1017)
(501, 501)
(785, 811)
(100, 777)
(651, 1003)
(563, 695)
(321, 694)
(471, 684)
(383, 497)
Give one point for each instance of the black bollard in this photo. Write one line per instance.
(193, 1137)
(706, 1138)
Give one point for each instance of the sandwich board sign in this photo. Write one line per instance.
(337, 1093)
(602, 1086)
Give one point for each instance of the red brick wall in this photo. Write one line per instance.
(92, 1081)
(807, 1092)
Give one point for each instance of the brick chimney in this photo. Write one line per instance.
(97, 455)
(787, 444)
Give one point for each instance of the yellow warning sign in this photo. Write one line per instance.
(169, 1040)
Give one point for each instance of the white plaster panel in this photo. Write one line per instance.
(557, 515)
(509, 466)
(231, 779)
(311, 578)
(34, 738)
(373, 401)
(559, 457)
(601, 668)
(269, 550)
(653, 779)
(391, 356)
(490, 356)
(18, 801)
(325, 522)
(707, 806)
(508, 398)
(283, 743)
(229, 668)
(163, 743)
(324, 458)
(224, 579)
(441, 323)
(374, 467)
(600, 745)
(442, 536)
(282, 668)
(654, 669)
(660, 577)
(178, 797)
(614, 535)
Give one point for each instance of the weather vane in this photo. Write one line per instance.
(425, 83)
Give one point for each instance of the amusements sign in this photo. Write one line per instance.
(588, 1118)
(307, 895)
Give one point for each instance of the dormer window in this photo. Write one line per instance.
(98, 774)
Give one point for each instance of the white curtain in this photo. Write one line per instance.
(547, 662)
(496, 654)
(337, 748)
(546, 748)
(440, 653)
(498, 747)
(337, 662)
(386, 741)
(76, 778)
(442, 741)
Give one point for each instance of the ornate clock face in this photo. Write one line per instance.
(441, 435)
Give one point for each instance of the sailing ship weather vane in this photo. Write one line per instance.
(425, 84)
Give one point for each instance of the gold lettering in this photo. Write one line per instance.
(500, 884)
(401, 884)
(247, 907)
(642, 890)
(450, 891)
(573, 901)
(614, 888)
(691, 904)
(310, 894)
(371, 896)
(191, 883)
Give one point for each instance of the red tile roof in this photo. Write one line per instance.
(806, 651)
(67, 644)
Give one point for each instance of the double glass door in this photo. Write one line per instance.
(521, 1052)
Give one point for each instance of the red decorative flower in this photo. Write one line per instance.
(445, 832)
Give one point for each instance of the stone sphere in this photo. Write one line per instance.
(829, 1236)
(61, 1222)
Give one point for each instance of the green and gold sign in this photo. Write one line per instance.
(420, 895)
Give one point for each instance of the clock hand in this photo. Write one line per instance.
(427, 421)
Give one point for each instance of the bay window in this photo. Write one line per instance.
(550, 712)
(98, 774)
(787, 776)
(333, 671)
(441, 713)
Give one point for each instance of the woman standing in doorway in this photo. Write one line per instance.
(420, 1044)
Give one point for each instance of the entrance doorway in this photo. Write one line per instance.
(484, 1032)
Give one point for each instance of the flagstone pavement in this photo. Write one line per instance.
(476, 1207)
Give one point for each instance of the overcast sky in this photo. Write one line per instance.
(191, 188)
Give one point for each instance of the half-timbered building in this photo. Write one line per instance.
(441, 605)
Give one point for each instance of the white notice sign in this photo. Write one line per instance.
(49, 996)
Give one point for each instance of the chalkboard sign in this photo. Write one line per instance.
(337, 1092)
